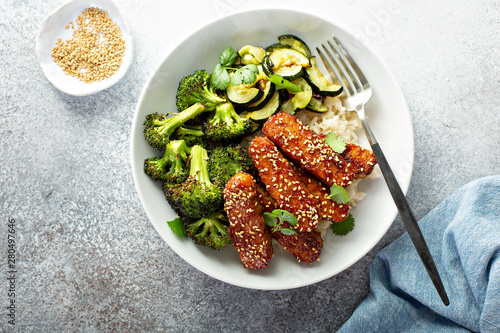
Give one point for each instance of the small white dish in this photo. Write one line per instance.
(54, 27)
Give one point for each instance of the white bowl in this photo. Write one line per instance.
(389, 117)
(54, 27)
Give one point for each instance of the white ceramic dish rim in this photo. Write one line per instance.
(302, 276)
(53, 27)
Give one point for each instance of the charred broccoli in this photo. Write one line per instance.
(226, 161)
(193, 135)
(197, 196)
(226, 125)
(172, 167)
(210, 231)
(158, 128)
(196, 88)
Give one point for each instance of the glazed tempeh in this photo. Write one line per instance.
(308, 149)
(284, 186)
(306, 246)
(266, 200)
(361, 161)
(329, 209)
(247, 229)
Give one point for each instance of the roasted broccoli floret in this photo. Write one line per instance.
(158, 128)
(226, 125)
(197, 196)
(172, 167)
(210, 231)
(226, 161)
(193, 135)
(196, 88)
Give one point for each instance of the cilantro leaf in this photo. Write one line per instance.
(271, 219)
(220, 77)
(287, 231)
(282, 83)
(228, 56)
(336, 142)
(339, 194)
(246, 74)
(177, 227)
(285, 216)
(344, 227)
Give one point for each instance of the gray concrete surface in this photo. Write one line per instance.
(88, 259)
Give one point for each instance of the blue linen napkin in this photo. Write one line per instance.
(463, 235)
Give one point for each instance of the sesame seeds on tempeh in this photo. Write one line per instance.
(329, 209)
(284, 186)
(247, 229)
(308, 149)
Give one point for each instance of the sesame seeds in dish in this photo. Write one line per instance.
(84, 47)
(95, 51)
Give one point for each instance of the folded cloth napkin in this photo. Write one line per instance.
(463, 235)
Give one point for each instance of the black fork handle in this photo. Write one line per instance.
(410, 223)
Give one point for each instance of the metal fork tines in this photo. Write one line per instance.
(356, 93)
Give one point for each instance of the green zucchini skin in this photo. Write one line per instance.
(243, 96)
(319, 83)
(289, 72)
(268, 94)
(295, 43)
(274, 46)
(272, 107)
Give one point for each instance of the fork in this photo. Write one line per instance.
(356, 93)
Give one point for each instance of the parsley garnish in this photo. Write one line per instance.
(177, 227)
(344, 227)
(338, 194)
(336, 142)
(276, 218)
(220, 76)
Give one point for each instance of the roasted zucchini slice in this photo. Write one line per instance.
(268, 88)
(243, 95)
(288, 107)
(317, 104)
(286, 62)
(299, 100)
(251, 55)
(319, 83)
(295, 43)
(272, 47)
(268, 110)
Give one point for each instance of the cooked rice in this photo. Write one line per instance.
(337, 119)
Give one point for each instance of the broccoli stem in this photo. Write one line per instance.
(185, 130)
(169, 125)
(209, 98)
(199, 165)
(177, 153)
(225, 113)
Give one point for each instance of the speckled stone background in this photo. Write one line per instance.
(88, 259)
